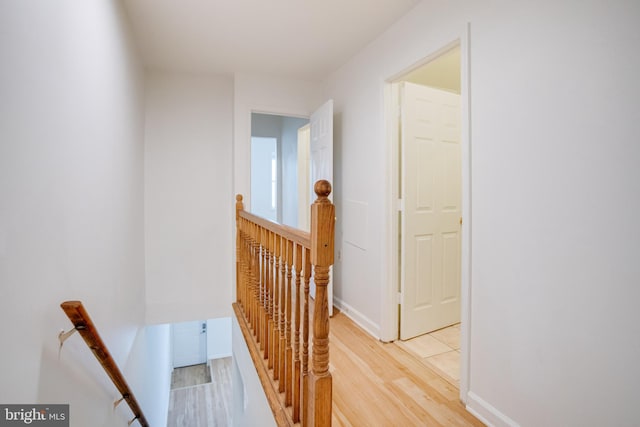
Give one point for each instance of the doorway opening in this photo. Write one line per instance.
(304, 155)
(427, 127)
(275, 167)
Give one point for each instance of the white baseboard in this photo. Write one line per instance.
(359, 319)
(486, 413)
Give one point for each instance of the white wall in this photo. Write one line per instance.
(148, 372)
(555, 185)
(249, 400)
(188, 200)
(218, 338)
(71, 201)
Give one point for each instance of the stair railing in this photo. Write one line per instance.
(273, 262)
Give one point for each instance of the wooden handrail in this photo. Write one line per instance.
(293, 234)
(84, 325)
(273, 262)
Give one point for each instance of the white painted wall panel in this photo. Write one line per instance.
(250, 405)
(71, 202)
(219, 338)
(189, 208)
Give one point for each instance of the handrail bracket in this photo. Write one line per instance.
(63, 336)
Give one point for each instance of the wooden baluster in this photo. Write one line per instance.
(270, 303)
(245, 266)
(322, 248)
(281, 353)
(264, 292)
(258, 272)
(276, 306)
(240, 266)
(239, 207)
(268, 353)
(305, 338)
(288, 356)
(247, 269)
(296, 340)
(253, 274)
(255, 278)
(260, 256)
(276, 311)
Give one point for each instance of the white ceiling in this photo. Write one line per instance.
(295, 38)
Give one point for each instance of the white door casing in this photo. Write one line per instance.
(321, 159)
(189, 343)
(431, 220)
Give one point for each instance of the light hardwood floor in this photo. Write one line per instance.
(378, 384)
(375, 384)
(204, 405)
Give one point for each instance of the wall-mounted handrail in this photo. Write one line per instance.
(84, 325)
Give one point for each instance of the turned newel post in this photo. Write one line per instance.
(239, 207)
(322, 248)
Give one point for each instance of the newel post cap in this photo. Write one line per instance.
(322, 188)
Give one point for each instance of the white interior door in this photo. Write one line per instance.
(189, 343)
(321, 159)
(431, 159)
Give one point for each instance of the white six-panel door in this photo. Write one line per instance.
(431, 220)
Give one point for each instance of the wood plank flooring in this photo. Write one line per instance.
(204, 405)
(378, 384)
(374, 385)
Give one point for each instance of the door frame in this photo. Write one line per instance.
(389, 327)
